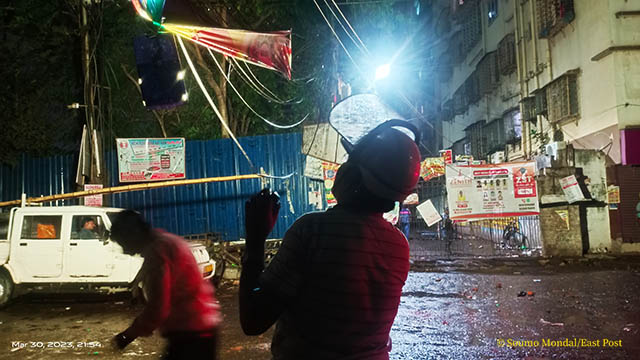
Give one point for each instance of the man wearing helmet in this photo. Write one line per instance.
(334, 286)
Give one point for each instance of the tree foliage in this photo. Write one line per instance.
(43, 74)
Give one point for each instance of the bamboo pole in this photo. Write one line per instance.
(125, 188)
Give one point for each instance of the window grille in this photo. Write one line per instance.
(553, 15)
(472, 87)
(562, 98)
(529, 109)
(495, 135)
(460, 102)
(541, 102)
(492, 11)
(487, 70)
(471, 21)
(477, 139)
(507, 54)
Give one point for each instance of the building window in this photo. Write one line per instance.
(492, 11)
(472, 88)
(507, 54)
(471, 23)
(512, 126)
(494, 132)
(460, 101)
(529, 109)
(562, 98)
(488, 74)
(477, 139)
(553, 16)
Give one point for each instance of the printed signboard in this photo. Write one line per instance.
(150, 159)
(571, 189)
(491, 191)
(93, 200)
(329, 171)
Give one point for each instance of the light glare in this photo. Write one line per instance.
(383, 71)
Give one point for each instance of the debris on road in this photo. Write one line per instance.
(545, 322)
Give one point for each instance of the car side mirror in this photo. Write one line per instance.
(106, 236)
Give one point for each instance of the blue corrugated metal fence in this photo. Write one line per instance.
(191, 209)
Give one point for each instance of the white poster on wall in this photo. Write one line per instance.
(490, 191)
(571, 189)
(151, 159)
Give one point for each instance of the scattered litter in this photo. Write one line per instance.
(67, 308)
(480, 247)
(499, 286)
(0, 322)
(79, 321)
(522, 293)
(119, 302)
(444, 322)
(16, 349)
(545, 322)
(237, 348)
(536, 280)
(628, 327)
(517, 273)
(530, 293)
(438, 279)
(497, 305)
(474, 289)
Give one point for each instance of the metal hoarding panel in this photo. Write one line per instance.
(192, 209)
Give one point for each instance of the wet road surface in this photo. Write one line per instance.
(447, 312)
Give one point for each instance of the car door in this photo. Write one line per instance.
(38, 247)
(88, 253)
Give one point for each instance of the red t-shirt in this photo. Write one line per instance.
(178, 298)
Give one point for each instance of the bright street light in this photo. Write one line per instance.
(383, 71)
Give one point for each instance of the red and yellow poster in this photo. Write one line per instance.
(491, 191)
(447, 155)
(431, 168)
(329, 171)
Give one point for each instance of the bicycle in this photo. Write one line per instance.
(513, 238)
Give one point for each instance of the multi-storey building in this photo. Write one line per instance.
(531, 76)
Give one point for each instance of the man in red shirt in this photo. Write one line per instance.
(180, 303)
(334, 287)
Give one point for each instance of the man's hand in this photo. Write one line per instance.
(261, 214)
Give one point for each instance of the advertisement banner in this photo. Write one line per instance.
(447, 155)
(93, 200)
(431, 168)
(492, 191)
(150, 159)
(329, 171)
(571, 189)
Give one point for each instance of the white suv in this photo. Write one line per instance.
(45, 246)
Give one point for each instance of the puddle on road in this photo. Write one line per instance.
(464, 316)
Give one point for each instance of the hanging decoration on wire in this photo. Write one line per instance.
(271, 50)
